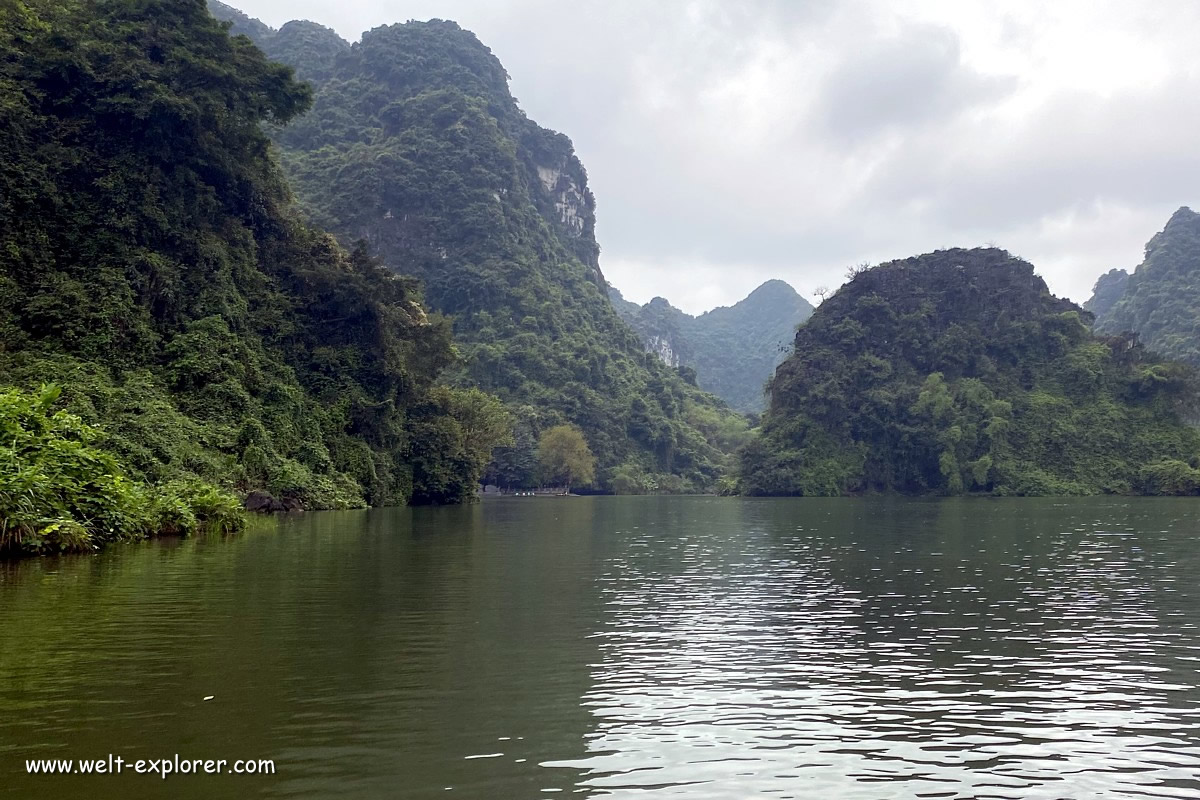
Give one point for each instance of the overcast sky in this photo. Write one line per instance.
(732, 142)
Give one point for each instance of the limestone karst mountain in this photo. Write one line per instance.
(415, 147)
(1160, 300)
(958, 371)
(733, 349)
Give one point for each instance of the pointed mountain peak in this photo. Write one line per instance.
(1183, 219)
(774, 288)
(1184, 214)
(777, 291)
(1184, 225)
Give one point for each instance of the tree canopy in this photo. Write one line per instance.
(564, 457)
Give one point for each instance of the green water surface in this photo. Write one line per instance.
(642, 647)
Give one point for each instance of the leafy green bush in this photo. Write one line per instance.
(211, 509)
(61, 491)
(1170, 477)
(631, 478)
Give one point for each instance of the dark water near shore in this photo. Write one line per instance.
(626, 647)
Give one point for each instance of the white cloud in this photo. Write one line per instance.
(730, 143)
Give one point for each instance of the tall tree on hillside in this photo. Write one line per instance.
(565, 458)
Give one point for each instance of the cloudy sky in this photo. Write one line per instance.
(733, 142)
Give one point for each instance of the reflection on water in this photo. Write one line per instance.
(955, 649)
(627, 647)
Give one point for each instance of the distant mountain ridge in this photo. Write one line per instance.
(733, 349)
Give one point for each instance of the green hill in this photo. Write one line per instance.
(733, 349)
(958, 371)
(415, 146)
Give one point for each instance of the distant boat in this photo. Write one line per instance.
(491, 490)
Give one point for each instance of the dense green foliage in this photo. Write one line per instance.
(61, 491)
(1160, 301)
(732, 350)
(415, 145)
(958, 372)
(150, 266)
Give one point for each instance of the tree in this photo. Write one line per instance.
(452, 441)
(483, 420)
(515, 465)
(565, 458)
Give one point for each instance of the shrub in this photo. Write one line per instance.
(1169, 476)
(60, 491)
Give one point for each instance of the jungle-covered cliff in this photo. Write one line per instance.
(203, 338)
(958, 371)
(415, 146)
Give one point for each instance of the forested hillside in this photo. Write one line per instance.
(415, 146)
(1160, 301)
(958, 372)
(733, 349)
(202, 334)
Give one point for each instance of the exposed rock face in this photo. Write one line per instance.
(733, 349)
(661, 347)
(660, 326)
(264, 503)
(569, 199)
(560, 192)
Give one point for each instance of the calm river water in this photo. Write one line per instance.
(627, 648)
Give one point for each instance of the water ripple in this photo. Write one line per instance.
(1065, 671)
(648, 648)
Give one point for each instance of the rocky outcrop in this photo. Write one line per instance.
(264, 503)
(569, 200)
(958, 371)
